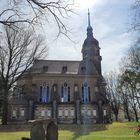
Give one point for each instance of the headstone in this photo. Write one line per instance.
(52, 131)
(46, 129)
(37, 131)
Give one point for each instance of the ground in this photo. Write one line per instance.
(115, 131)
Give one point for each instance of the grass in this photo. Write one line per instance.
(115, 131)
(13, 135)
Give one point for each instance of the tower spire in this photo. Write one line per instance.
(89, 28)
(88, 18)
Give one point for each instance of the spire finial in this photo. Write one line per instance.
(88, 18)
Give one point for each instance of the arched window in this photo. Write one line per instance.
(44, 94)
(65, 93)
(85, 93)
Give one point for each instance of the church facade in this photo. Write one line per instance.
(69, 91)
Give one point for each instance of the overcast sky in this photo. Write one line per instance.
(110, 20)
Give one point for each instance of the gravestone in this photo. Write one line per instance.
(43, 130)
(37, 132)
(52, 131)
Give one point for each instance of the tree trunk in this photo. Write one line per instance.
(5, 108)
(136, 115)
(128, 116)
(4, 112)
(116, 117)
(127, 113)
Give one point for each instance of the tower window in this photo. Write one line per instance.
(83, 69)
(97, 52)
(64, 69)
(85, 55)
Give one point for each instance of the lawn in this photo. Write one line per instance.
(115, 131)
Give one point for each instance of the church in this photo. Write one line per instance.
(68, 91)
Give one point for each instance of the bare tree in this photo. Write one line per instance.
(136, 17)
(32, 11)
(133, 58)
(130, 92)
(124, 98)
(130, 81)
(112, 92)
(1, 92)
(18, 50)
(132, 68)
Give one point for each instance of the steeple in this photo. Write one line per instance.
(89, 28)
(88, 18)
(91, 63)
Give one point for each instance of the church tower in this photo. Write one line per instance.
(91, 63)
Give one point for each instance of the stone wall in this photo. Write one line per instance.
(43, 112)
(89, 113)
(66, 113)
(17, 113)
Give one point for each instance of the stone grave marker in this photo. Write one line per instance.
(43, 130)
(52, 131)
(37, 132)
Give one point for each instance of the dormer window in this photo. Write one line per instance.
(64, 69)
(45, 68)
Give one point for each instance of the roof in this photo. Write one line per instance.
(55, 66)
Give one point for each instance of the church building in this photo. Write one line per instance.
(69, 91)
